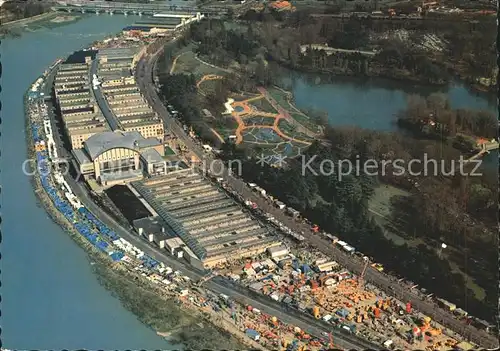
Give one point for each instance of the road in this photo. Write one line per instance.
(144, 78)
(221, 285)
(386, 283)
(218, 285)
(397, 18)
(101, 100)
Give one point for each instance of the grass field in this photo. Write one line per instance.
(258, 120)
(305, 121)
(280, 98)
(263, 105)
(291, 131)
(208, 86)
(187, 63)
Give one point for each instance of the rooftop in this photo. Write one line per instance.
(82, 90)
(117, 88)
(99, 143)
(130, 105)
(153, 225)
(211, 223)
(71, 78)
(81, 156)
(84, 118)
(112, 75)
(116, 53)
(75, 102)
(73, 66)
(79, 110)
(120, 96)
(152, 156)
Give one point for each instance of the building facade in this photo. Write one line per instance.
(79, 113)
(119, 157)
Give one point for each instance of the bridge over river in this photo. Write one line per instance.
(135, 8)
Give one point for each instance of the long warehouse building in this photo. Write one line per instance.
(80, 114)
(212, 225)
(122, 95)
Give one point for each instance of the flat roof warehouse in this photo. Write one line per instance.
(128, 204)
(211, 224)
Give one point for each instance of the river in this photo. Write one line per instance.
(373, 104)
(51, 300)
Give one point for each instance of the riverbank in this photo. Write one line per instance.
(395, 77)
(49, 20)
(153, 307)
(24, 21)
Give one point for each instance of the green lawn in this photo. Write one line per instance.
(280, 98)
(169, 151)
(187, 63)
(258, 120)
(209, 86)
(263, 105)
(305, 121)
(291, 131)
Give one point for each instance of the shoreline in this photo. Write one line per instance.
(105, 270)
(28, 20)
(17, 28)
(98, 270)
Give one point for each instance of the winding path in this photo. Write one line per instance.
(172, 69)
(205, 78)
(286, 115)
(217, 135)
(249, 112)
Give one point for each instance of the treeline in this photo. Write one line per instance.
(180, 91)
(469, 45)
(235, 49)
(340, 206)
(25, 9)
(434, 116)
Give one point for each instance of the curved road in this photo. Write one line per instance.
(386, 283)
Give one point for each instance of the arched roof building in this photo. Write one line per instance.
(119, 157)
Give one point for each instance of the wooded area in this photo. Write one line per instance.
(447, 122)
(469, 49)
(457, 210)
